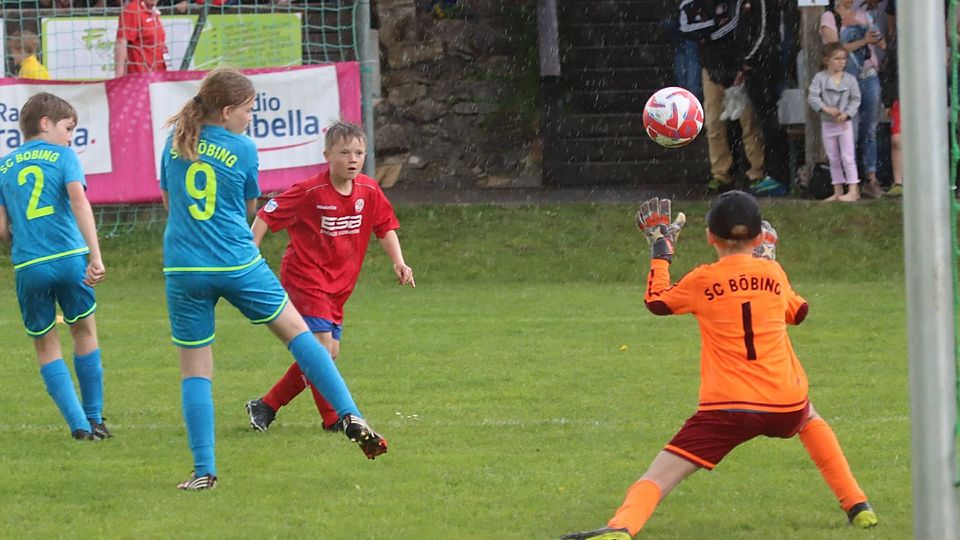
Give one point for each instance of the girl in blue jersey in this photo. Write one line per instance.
(56, 256)
(208, 178)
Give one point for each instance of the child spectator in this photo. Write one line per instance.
(751, 381)
(329, 219)
(855, 28)
(208, 254)
(835, 94)
(23, 48)
(56, 257)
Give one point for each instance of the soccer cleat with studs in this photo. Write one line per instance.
(605, 533)
(335, 427)
(198, 483)
(261, 414)
(357, 430)
(862, 516)
(84, 435)
(99, 429)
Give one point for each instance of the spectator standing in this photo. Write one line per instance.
(686, 59)
(23, 48)
(141, 39)
(890, 93)
(855, 28)
(712, 26)
(835, 94)
(758, 53)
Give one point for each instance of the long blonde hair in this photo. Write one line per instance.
(223, 87)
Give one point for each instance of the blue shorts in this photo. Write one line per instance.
(317, 324)
(192, 297)
(60, 281)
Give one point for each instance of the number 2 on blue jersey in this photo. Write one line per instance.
(34, 210)
(208, 194)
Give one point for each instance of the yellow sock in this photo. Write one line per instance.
(823, 447)
(642, 498)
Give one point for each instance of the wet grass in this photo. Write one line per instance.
(511, 410)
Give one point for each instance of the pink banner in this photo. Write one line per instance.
(281, 127)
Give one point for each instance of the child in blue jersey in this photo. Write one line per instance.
(56, 256)
(208, 178)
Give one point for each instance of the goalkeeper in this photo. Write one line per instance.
(751, 381)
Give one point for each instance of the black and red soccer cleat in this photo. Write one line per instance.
(357, 430)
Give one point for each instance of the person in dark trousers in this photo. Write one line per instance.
(758, 40)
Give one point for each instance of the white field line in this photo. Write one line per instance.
(485, 422)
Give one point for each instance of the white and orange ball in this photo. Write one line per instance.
(672, 117)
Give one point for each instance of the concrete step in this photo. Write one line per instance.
(691, 173)
(600, 125)
(621, 149)
(657, 55)
(608, 11)
(611, 101)
(618, 78)
(610, 34)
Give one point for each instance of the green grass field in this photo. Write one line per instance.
(500, 382)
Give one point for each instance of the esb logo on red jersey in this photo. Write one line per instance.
(338, 226)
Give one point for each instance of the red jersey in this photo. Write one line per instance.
(146, 39)
(743, 305)
(329, 234)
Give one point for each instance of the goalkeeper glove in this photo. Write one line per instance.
(653, 220)
(769, 240)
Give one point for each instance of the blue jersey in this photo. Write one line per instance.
(207, 229)
(33, 188)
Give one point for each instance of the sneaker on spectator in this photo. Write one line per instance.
(895, 190)
(871, 190)
(768, 187)
(717, 186)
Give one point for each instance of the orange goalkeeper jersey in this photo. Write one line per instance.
(743, 305)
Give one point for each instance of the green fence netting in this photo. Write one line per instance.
(77, 43)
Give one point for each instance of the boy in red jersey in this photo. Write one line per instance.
(329, 219)
(751, 382)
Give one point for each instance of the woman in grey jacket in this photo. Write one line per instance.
(835, 94)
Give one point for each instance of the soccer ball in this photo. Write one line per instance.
(672, 117)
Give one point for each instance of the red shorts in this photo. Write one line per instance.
(708, 436)
(895, 118)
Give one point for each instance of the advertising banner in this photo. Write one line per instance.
(250, 40)
(293, 107)
(91, 138)
(83, 48)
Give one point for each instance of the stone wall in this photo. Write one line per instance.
(458, 95)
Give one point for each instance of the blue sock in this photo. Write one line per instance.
(90, 376)
(198, 416)
(315, 362)
(56, 377)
